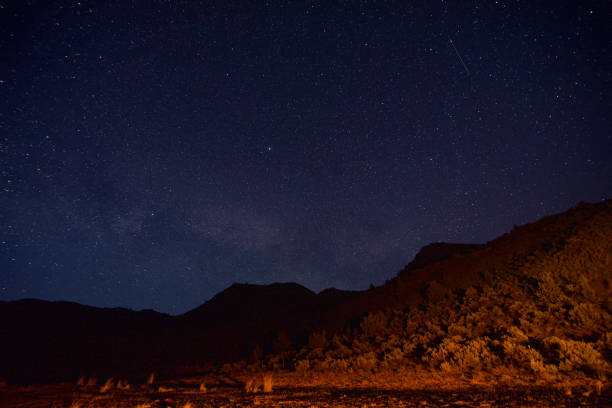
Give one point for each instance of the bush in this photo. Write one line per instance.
(605, 345)
(585, 315)
(549, 291)
(571, 355)
(395, 356)
(517, 335)
(522, 356)
(538, 367)
(474, 354)
(302, 365)
(375, 324)
(366, 361)
(340, 349)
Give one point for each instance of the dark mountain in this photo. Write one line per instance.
(558, 269)
(50, 340)
(244, 316)
(249, 304)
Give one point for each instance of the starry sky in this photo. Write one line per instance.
(154, 152)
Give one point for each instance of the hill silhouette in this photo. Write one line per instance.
(536, 299)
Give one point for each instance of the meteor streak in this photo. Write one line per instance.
(459, 56)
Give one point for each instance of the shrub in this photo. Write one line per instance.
(340, 348)
(391, 342)
(571, 355)
(517, 335)
(605, 345)
(549, 291)
(394, 356)
(362, 346)
(474, 354)
(318, 340)
(340, 364)
(367, 361)
(585, 315)
(585, 287)
(302, 365)
(458, 329)
(277, 361)
(374, 324)
(522, 355)
(322, 365)
(538, 367)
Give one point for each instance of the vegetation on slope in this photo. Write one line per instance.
(539, 302)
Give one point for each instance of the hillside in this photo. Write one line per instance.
(535, 300)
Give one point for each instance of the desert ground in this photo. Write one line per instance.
(299, 390)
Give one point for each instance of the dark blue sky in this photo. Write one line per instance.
(154, 152)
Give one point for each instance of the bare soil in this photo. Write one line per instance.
(227, 392)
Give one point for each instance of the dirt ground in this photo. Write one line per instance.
(228, 391)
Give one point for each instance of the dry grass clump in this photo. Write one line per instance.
(267, 383)
(123, 385)
(250, 386)
(111, 383)
(598, 387)
(150, 379)
(108, 385)
(83, 381)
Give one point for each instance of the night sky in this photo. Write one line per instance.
(154, 152)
